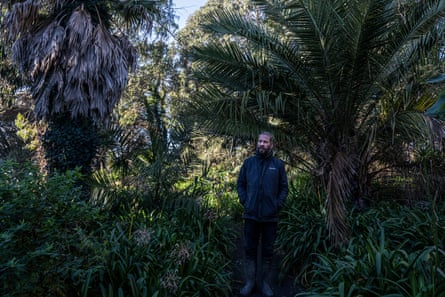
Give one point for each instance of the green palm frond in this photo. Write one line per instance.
(331, 75)
(140, 14)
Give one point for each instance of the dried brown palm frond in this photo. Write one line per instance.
(80, 29)
(128, 50)
(73, 64)
(20, 52)
(80, 68)
(437, 132)
(21, 18)
(76, 65)
(43, 99)
(48, 46)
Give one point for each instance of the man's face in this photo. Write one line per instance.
(264, 144)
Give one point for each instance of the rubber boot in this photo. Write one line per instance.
(250, 268)
(266, 290)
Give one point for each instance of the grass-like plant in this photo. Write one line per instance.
(395, 250)
(303, 231)
(53, 243)
(177, 253)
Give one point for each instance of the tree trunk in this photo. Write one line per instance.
(69, 144)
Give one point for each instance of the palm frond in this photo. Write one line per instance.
(141, 14)
(76, 41)
(21, 18)
(79, 29)
(333, 75)
(48, 47)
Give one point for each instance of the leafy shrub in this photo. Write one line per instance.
(45, 229)
(52, 243)
(162, 254)
(394, 250)
(218, 190)
(371, 269)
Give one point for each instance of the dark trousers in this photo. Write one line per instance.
(253, 232)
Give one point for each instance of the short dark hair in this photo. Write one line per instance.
(267, 133)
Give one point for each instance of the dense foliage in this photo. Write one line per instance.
(52, 243)
(395, 250)
(340, 83)
(76, 57)
(56, 244)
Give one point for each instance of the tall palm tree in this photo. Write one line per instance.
(329, 77)
(76, 57)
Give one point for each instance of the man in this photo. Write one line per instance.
(262, 190)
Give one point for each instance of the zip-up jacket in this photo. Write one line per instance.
(262, 187)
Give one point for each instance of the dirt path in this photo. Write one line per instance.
(283, 288)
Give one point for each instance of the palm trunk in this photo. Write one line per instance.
(69, 144)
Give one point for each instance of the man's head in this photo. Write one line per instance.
(265, 143)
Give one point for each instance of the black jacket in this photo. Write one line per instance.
(262, 187)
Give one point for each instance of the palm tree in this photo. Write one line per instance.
(76, 57)
(329, 77)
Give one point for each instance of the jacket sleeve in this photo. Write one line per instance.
(284, 187)
(241, 184)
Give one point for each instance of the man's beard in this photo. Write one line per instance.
(262, 152)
